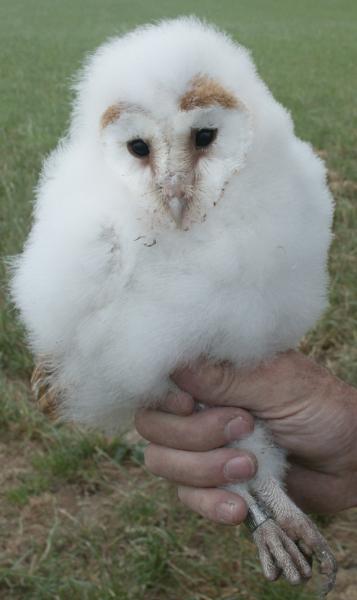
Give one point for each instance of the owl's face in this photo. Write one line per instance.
(176, 162)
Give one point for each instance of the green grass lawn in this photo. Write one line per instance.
(79, 517)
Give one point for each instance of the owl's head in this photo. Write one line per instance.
(179, 163)
(172, 110)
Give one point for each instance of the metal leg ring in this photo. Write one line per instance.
(256, 516)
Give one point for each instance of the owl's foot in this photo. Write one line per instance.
(301, 530)
(279, 555)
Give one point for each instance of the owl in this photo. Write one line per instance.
(180, 217)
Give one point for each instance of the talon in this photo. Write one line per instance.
(319, 548)
(328, 568)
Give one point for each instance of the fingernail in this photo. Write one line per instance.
(226, 512)
(240, 468)
(237, 428)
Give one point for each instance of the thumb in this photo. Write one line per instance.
(264, 390)
(215, 384)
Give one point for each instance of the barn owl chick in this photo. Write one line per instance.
(180, 217)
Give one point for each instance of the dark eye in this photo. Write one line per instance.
(139, 148)
(205, 137)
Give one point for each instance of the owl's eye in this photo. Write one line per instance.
(139, 148)
(205, 137)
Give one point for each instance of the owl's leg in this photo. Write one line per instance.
(301, 532)
(277, 552)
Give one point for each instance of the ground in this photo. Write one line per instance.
(79, 515)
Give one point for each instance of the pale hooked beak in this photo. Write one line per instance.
(174, 192)
(176, 208)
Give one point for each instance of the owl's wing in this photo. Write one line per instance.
(43, 393)
(70, 270)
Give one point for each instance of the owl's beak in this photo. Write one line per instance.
(176, 208)
(175, 198)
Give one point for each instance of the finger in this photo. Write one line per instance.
(177, 403)
(211, 383)
(217, 505)
(201, 469)
(223, 384)
(200, 431)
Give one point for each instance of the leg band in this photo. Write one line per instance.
(256, 516)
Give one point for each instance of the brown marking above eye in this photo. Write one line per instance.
(205, 92)
(110, 115)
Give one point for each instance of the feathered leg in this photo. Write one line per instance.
(286, 538)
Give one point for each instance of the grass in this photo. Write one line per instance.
(80, 517)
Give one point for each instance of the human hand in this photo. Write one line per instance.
(187, 448)
(310, 412)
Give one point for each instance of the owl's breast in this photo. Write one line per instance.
(234, 293)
